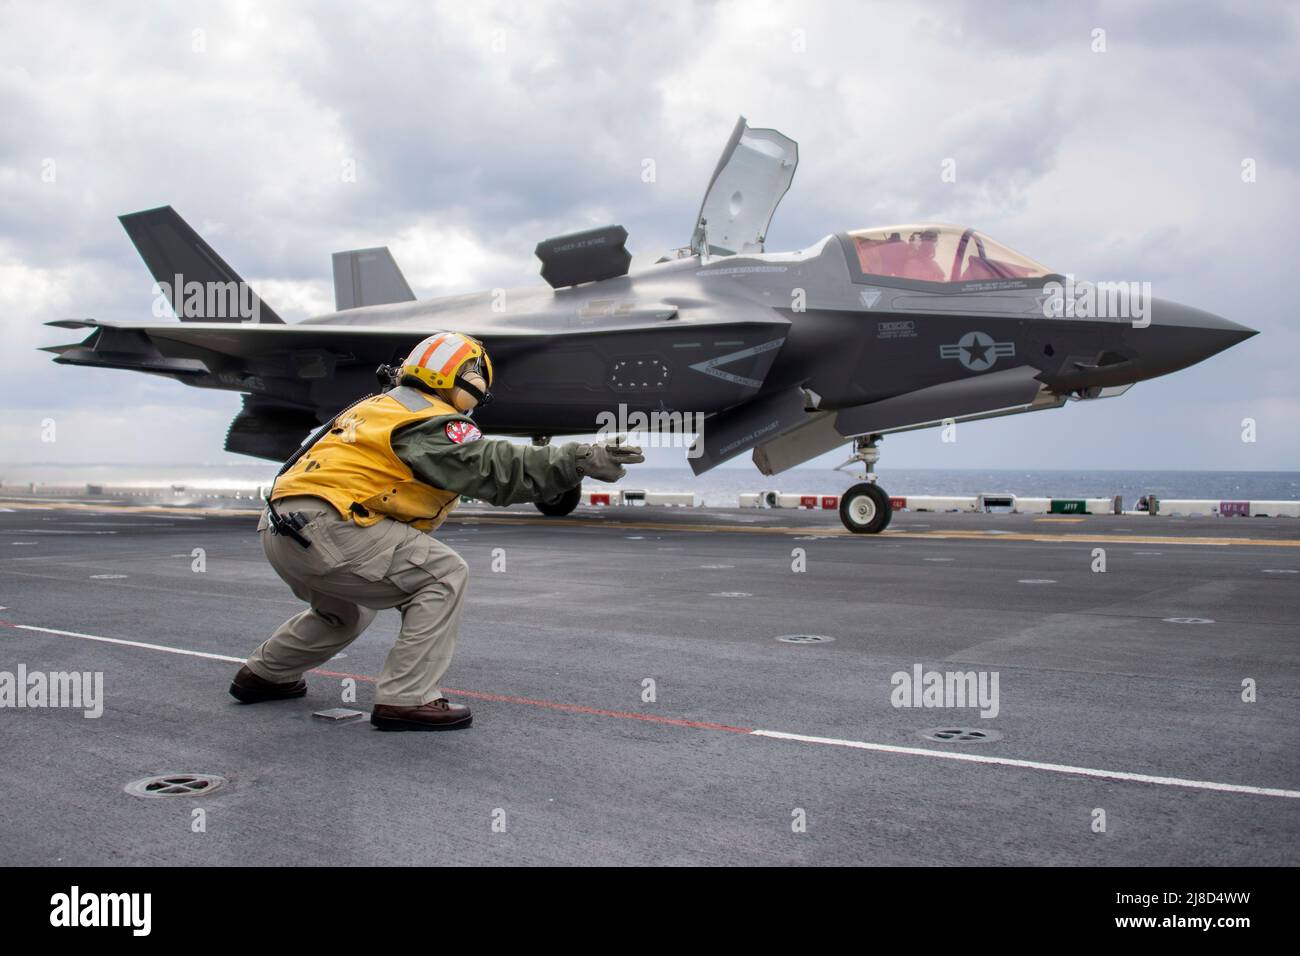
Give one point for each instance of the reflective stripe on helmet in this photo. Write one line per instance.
(442, 357)
(443, 354)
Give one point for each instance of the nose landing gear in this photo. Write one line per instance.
(865, 507)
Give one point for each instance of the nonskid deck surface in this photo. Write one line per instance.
(1117, 691)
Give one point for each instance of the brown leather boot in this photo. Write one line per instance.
(248, 688)
(440, 714)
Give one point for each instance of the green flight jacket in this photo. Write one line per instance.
(492, 470)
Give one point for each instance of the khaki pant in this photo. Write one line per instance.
(349, 573)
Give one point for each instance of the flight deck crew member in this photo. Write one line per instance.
(348, 522)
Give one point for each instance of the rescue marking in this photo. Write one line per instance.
(1013, 762)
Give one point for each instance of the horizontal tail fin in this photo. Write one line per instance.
(171, 249)
(368, 277)
(267, 430)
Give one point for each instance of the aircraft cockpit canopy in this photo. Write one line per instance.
(937, 253)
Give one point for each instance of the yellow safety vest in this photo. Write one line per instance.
(355, 469)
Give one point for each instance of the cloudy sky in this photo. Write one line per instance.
(478, 129)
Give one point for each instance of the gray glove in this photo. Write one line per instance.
(605, 462)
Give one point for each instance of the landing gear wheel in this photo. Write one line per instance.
(561, 504)
(865, 509)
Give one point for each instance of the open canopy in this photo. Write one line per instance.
(936, 253)
(752, 176)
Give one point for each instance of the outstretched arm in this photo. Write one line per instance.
(450, 453)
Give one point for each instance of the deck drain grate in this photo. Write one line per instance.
(960, 735)
(175, 785)
(805, 638)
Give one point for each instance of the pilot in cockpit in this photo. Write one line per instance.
(920, 261)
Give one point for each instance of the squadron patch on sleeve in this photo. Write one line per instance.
(461, 432)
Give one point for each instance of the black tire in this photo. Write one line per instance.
(865, 509)
(562, 504)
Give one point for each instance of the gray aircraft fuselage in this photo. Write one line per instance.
(646, 340)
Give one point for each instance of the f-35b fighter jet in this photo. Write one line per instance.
(782, 355)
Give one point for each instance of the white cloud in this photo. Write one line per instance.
(477, 130)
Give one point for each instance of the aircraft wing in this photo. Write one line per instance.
(561, 352)
(278, 367)
(198, 347)
(295, 376)
(203, 348)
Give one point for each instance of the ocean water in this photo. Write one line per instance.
(1222, 485)
(721, 486)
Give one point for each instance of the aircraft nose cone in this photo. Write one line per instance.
(1179, 336)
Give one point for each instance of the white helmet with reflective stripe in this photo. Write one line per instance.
(441, 360)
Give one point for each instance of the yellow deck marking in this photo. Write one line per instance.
(1098, 538)
(818, 530)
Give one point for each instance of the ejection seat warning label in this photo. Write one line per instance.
(902, 329)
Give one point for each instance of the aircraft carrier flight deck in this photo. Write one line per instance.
(703, 686)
